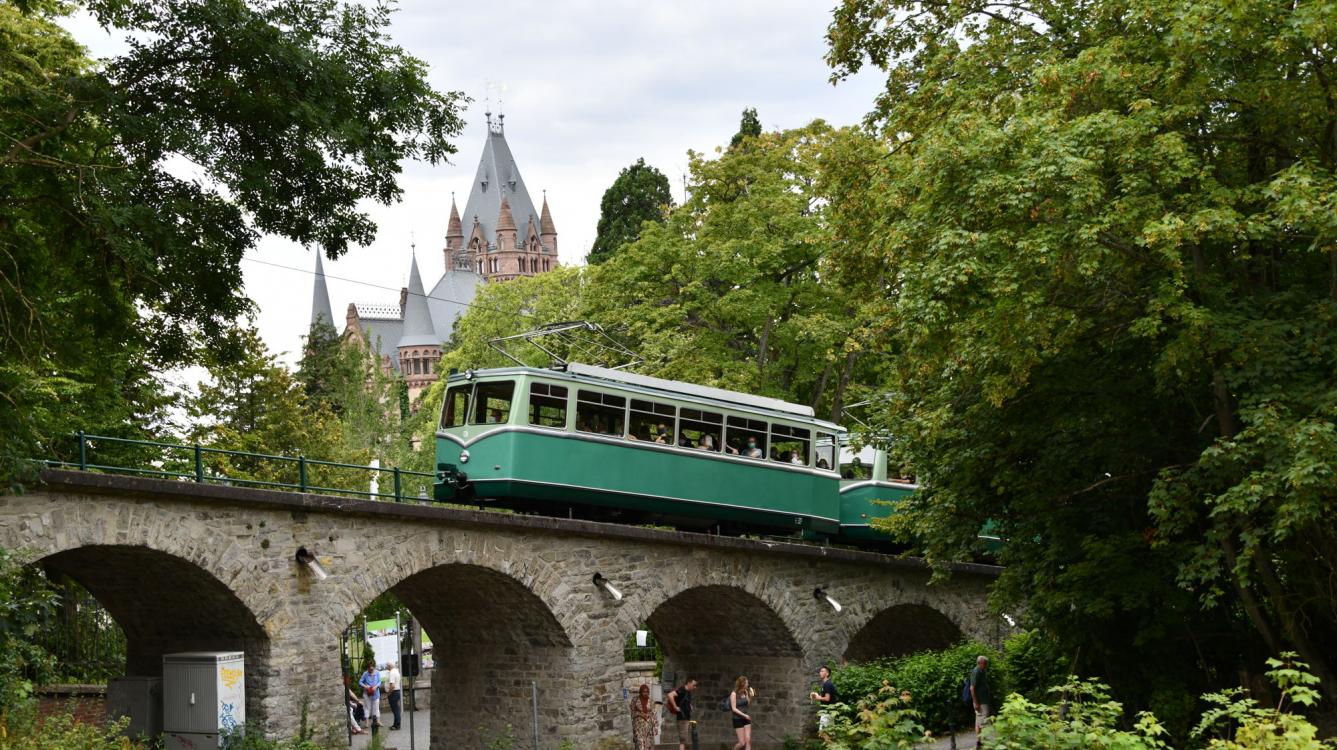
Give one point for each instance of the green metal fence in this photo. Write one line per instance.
(205, 465)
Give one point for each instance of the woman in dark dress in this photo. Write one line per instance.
(740, 700)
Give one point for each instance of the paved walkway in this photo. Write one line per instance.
(399, 740)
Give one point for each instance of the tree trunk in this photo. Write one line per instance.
(838, 405)
(1250, 602)
(820, 390)
(1295, 630)
(763, 345)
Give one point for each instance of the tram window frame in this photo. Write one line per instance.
(450, 415)
(546, 396)
(484, 401)
(827, 451)
(598, 404)
(701, 423)
(785, 437)
(744, 427)
(643, 413)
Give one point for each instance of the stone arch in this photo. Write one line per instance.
(714, 633)
(902, 629)
(165, 604)
(492, 634)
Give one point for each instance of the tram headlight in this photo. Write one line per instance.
(464, 456)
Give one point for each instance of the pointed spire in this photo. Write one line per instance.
(418, 329)
(320, 296)
(453, 229)
(545, 223)
(505, 222)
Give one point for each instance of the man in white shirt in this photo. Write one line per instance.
(393, 681)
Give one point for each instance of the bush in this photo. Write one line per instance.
(933, 679)
(1031, 664)
(26, 602)
(21, 730)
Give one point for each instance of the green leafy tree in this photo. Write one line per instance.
(639, 194)
(26, 603)
(748, 127)
(1102, 238)
(730, 291)
(257, 406)
(114, 266)
(515, 306)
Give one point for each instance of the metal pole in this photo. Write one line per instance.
(199, 465)
(535, 687)
(413, 707)
(397, 484)
(301, 472)
(83, 451)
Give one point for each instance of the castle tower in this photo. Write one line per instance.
(456, 260)
(321, 312)
(500, 244)
(419, 347)
(548, 236)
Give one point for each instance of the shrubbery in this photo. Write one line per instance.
(933, 679)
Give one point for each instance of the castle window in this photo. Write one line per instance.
(480, 266)
(522, 265)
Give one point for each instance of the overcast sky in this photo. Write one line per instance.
(587, 87)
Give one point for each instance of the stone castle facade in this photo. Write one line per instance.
(506, 238)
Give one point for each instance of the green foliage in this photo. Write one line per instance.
(502, 740)
(748, 127)
(933, 679)
(1236, 721)
(1086, 717)
(113, 266)
(1031, 663)
(26, 603)
(639, 194)
(23, 730)
(881, 721)
(1097, 241)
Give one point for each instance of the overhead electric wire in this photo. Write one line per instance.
(520, 313)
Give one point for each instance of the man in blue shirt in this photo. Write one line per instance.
(371, 695)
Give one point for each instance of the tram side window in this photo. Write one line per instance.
(702, 430)
(492, 402)
(826, 451)
(457, 405)
(651, 422)
(789, 445)
(746, 437)
(600, 413)
(547, 405)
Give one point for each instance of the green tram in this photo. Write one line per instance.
(591, 442)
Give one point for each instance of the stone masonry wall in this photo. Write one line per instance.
(507, 600)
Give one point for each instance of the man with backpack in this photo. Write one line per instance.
(679, 701)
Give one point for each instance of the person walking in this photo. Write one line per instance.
(825, 695)
(979, 696)
(371, 695)
(393, 685)
(679, 701)
(740, 701)
(644, 720)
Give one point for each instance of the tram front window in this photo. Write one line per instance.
(826, 451)
(746, 437)
(651, 422)
(457, 405)
(600, 413)
(789, 445)
(492, 402)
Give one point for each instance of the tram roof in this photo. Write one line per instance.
(677, 387)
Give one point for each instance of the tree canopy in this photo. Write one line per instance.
(639, 194)
(749, 126)
(1106, 263)
(116, 263)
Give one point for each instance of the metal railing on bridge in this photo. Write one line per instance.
(207, 465)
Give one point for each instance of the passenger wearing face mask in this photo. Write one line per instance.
(752, 450)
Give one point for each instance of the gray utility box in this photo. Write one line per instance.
(139, 698)
(203, 695)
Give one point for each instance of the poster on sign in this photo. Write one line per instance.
(383, 637)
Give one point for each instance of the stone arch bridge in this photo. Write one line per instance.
(506, 599)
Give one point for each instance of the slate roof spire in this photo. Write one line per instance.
(320, 296)
(545, 223)
(498, 176)
(418, 329)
